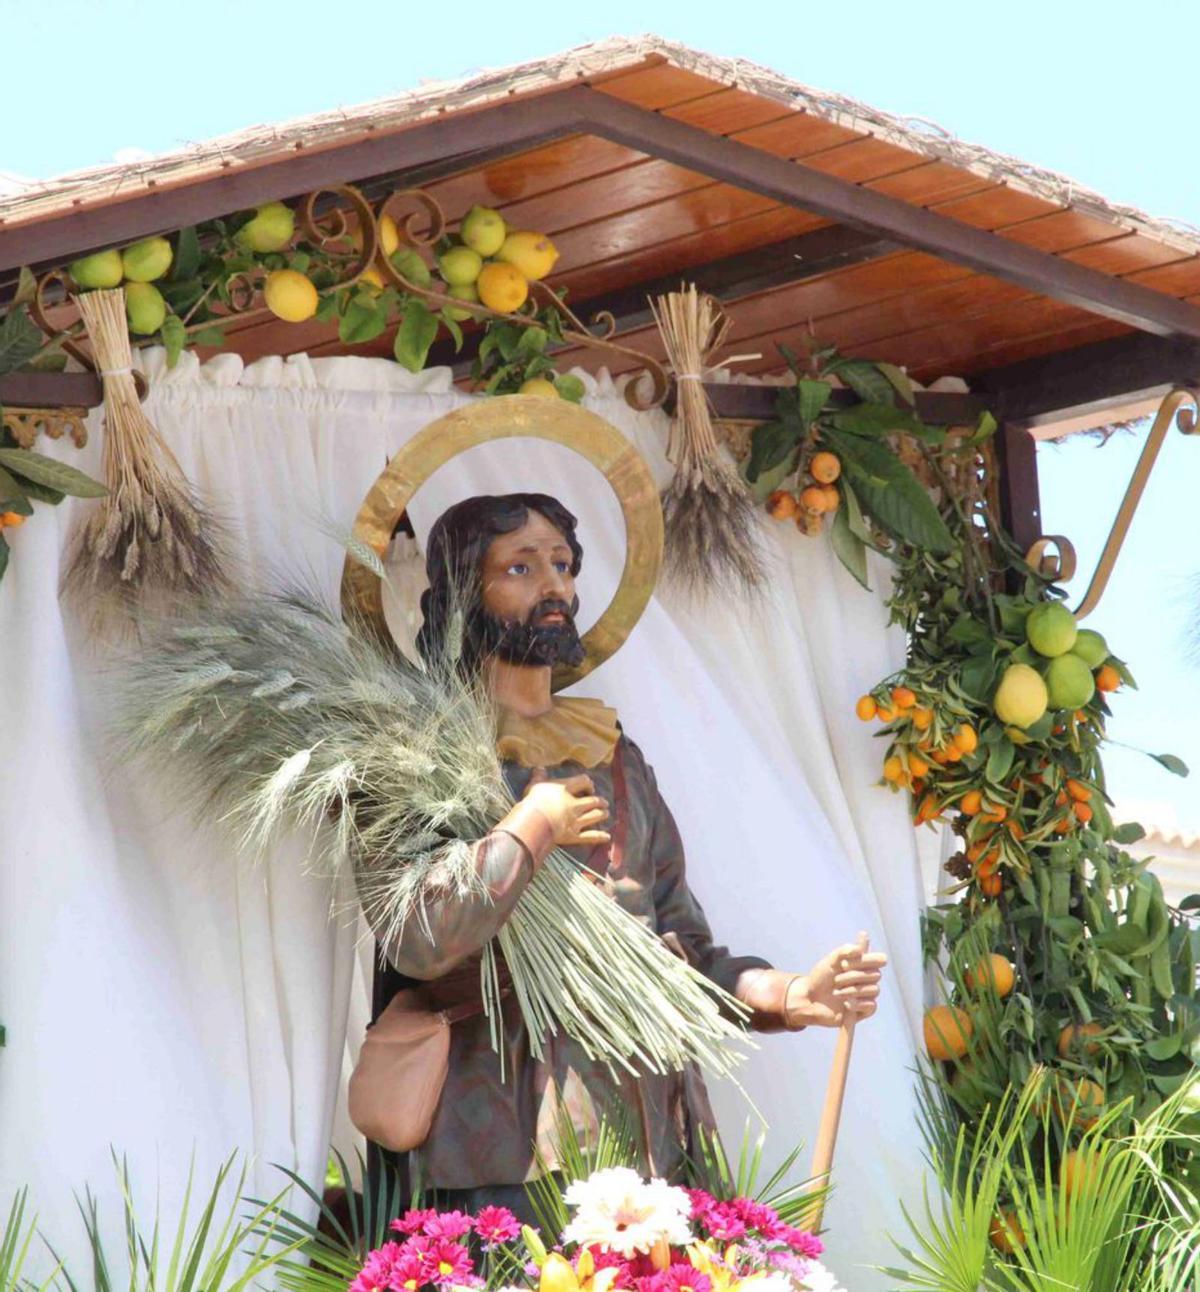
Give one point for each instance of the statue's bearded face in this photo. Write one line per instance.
(528, 594)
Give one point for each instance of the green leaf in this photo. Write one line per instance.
(214, 336)
(451, 325)
(363, 321)
(47, 361)
(414, 336)
(42, 493)
(811, 398)
(19, 340)
(1130, 832)
(327, 309)
(849, 548)
(187, 255)
(985, 430)
(174, 337)
(882, 419)
(1000, 761)
(770, 444)
(977, 678)
(26, 286)
(900, 380)
(4, 551)
(508, 339)
(867, 382)
(1190, 903)
(533, 341)
(47, 471)
(890, 492)
(967, 630)
(1171, 763)
(570, 387)
(854, 515)
(12, 496)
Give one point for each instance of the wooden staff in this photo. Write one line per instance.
(831, 1114)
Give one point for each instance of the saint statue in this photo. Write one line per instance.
(582, 785)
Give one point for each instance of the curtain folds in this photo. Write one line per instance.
(165, 998)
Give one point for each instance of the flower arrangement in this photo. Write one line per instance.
(625, 1234)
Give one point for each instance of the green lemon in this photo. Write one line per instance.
(270, 230)
(460, 266)
(1069, 682)
(1021, 697)
(146, 260)
(1051, 629)
(1090, 647)
(145, 308)
(464, 293)
(103, 269)
(483, 230)
(409, 263)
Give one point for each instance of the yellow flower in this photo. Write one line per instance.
(557, 1275)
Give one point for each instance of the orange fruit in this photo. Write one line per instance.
(1006, 1232)
(1078, 1172)
(866, 708)
(903, 698)
(813, 499)
(1061, 799)
(917, 766)
(995, 973)
(1070, 1042)
(976, 850)
(947, 1032)
(887, 713)
(833, 499)
(824, 468)
(1077, 790)
(893, 769)
(11, 519)
(1014, 828)
(971, 802)
(783, 505)
(922, 719)
(997, 813)
(1107, 678)
(1083, 811)
(502, 287)
(1063, 825)
(939, 756)
(928, 810)
(991, 885)
(1080, 1103)
(988, 864)
(966, 739)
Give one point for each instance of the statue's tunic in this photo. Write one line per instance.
(488, 1123)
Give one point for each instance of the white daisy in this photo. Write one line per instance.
(819, 1279)
(616, 1209)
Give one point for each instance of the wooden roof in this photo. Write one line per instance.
(809, 214)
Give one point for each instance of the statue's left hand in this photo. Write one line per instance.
(840, 986)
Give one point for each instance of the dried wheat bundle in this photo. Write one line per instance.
(269, 711)
(150, 539)
(713, 529)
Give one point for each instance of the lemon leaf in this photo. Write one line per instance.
(770, 445)
(848, 547)
(414, 336)
(865, 380)
(46, 471)
(12, 496)
(811, 398)
(187, 254)
(19, 340)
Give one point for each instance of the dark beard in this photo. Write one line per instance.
(531, 644)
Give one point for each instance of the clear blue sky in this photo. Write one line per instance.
(1099, 90)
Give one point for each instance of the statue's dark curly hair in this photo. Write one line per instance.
(458, 542)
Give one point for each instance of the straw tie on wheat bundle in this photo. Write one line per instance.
(150, 539)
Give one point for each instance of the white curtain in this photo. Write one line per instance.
(164, 998)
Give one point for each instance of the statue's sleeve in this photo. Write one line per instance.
(454, 924)
(676, 909)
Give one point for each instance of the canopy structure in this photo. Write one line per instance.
(807, 213)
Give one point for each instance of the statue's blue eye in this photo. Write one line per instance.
(519, 568)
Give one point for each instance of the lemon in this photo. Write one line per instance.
(539, 386)
(466, 293)
(270, 229)
(532, 253)
(389, 235)
(408, 264)
(502, 287)
(104, 269)
(460, 266)
(1051, 629)
(290, 296)
(372, 277)
(146, 260)
(145, 308)
(1090, 647)
(1021, 697)
(1069, 682)
(483, 230)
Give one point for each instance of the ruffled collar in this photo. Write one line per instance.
(574, 730)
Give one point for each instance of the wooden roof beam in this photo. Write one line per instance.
(799, 185)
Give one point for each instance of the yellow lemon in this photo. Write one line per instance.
(532, 253)
(371, 276)
(104, 269)
(539, 386)
(502, 287)
(389, 235)
(146, 260)
(483, 230)
(290, 296)
(1021, 697)
(145, 308)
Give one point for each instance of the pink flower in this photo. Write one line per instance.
(678, 1278)
(496, 1225)
(377, 1269)
(801, 1242)
(413, 1221)
(445, 1262)
(756, 1215)
(723, 1222)
(448, 1224)
(701, 1202)
(408, 1273)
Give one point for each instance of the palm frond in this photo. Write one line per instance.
(14, 1248)
(795, 1203)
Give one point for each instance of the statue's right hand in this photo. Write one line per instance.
(572, 807)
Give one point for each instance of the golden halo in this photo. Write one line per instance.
(512, 417)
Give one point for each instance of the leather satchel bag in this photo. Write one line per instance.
(397, 1082)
